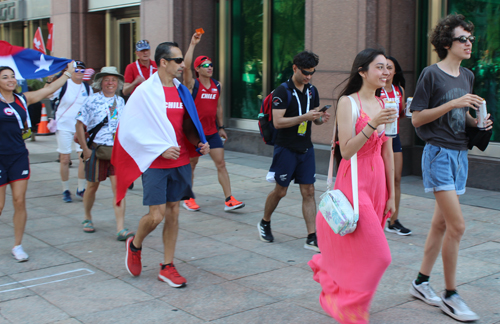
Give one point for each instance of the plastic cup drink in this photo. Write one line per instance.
(481, 115)
(408, 104)
(391, 129)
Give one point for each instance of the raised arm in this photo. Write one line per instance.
(36, 96)
(187, 76)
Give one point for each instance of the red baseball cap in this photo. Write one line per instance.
(200, 59)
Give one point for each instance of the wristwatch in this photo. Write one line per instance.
(222, 127)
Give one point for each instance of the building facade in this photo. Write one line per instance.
(252, 44)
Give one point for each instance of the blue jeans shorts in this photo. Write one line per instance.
(162, 185)
(444, 169)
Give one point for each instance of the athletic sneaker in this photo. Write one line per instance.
(19, 254)
(425, 292)
(233, 204)
(190, 205)
(169, 274)
(457, 308)
(67, 196)
(265, 232)
(133, 261)
(80, 193)
(397, 228)
(311, 243)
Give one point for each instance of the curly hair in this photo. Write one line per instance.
(442, 36)
(97, 84)
(306, 60)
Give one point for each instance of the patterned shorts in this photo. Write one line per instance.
(98, 170)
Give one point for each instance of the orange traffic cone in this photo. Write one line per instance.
(42, 126)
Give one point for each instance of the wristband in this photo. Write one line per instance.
(222, 127)
(66, 73)
(365, 134)
(374, 128)
(321, 119)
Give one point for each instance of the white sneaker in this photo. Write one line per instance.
(457, 308)
(19, 254)
(425, 292)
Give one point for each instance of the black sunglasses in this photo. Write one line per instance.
(463, 39)
(306, 73)
(177, 60)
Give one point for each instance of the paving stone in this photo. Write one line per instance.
(282, 283)
(145, 312)
(291, 252)
(108, 294)
(216, 226)
(217, 301)
(277, 313)
(489, 251)
(248, 239)
(236, 265)
(200, 248)
(11, 289)
(40, 311)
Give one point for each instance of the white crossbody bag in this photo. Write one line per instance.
(334, 206)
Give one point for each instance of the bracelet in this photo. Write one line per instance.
(321, 119)
(66, 73)
(222, 127)
(364, 134)
(374, 128)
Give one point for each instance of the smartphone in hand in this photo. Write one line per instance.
(325, 108)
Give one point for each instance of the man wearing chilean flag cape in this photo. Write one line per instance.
(158, 121)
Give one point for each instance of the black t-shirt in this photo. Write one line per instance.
(11, 135)
(289, 137)
(435, 88)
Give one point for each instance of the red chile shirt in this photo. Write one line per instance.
(206, 102)
(131, 72)
(176, 113)
(393, 96)
(11, 135)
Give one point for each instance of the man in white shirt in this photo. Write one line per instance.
(69, 99)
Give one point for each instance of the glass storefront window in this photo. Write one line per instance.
(246, 58)
(288, 36)
(485, 60)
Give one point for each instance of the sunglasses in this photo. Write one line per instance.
(306, 73)
(177, 60)
(80, 70)
(463, 39)
(206, 65)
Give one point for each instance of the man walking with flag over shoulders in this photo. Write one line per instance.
(153, 141)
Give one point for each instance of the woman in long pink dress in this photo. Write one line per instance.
(350, 267)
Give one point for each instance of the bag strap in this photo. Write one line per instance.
(93, 132)
(354, 158)
(76, 98)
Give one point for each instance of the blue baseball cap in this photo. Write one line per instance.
(142, 45)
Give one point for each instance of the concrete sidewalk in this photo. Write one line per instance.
(233, 277)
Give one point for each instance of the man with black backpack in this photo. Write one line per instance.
(67, 102)
(206, 95)
(293, 109)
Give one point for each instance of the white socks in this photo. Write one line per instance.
(65, 185)
(82, 184)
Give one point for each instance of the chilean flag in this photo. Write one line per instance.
(144, 131)
(28, 63)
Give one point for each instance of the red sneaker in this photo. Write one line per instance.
(133, 261)
(190, 205)
(233, 204)
(169, 274)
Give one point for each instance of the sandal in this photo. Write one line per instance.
(88, 226)
(124, 234)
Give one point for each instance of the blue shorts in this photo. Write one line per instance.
(162, 185)
(214, 141)
(396, 144)
(14, 167)
(289, 165)
(444, 169)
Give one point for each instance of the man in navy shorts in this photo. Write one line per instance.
(440, 106)
(167, 181)
(293, 157)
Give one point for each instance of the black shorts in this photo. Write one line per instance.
(289, 165)
(14, 167)
(396, 144)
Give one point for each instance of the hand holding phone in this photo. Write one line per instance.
(325, 108)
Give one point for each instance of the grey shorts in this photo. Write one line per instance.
(162, 185)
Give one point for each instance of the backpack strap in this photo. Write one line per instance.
(217, 84)
(87, 87)
(195, 88)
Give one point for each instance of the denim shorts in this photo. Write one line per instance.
(444, 169)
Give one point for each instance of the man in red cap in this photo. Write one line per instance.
(206, 95)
